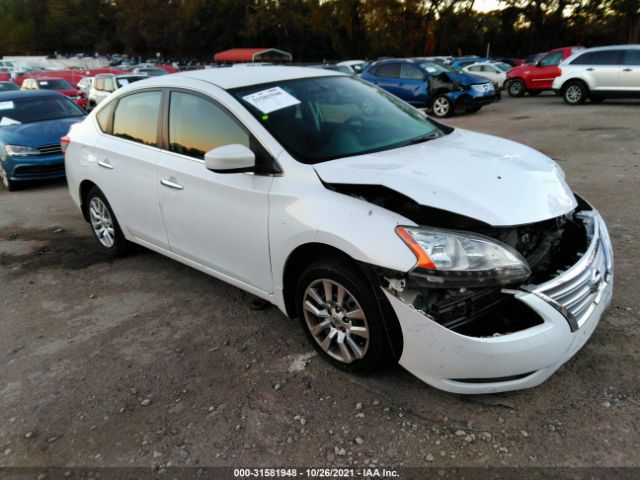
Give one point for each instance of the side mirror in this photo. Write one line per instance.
(234, 158)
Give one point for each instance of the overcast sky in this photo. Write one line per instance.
(486, 5)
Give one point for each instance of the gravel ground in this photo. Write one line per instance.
(142, 361)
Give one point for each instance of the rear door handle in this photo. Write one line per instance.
(590, 69)
(627, 69)
(171, 183)
(105, 164)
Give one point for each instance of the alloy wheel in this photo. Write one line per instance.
(441, 106)
(515, 88)
(4, 177)
(336, 320)
(573, 94)
(101, 222)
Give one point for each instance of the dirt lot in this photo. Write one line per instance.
(143, 361)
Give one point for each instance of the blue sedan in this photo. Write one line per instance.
(31, 124)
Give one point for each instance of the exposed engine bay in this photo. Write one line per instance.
(549, 247)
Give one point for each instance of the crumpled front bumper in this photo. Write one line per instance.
(570, 306)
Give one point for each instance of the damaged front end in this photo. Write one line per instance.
(466, 304)
(508, 314)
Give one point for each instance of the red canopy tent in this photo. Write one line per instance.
(239, 55)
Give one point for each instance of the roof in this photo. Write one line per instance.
(610, 47)
(18, 94)
(242, 76)
(46, 79)
(246, 54)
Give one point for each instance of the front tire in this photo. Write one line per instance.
(104, 225)
(441, 106)
(7, 183)
(575, 92)
(516, 88)
(341, 316)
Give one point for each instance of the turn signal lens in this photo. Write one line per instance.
(64, 143)
(424, 261)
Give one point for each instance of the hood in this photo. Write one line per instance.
(70, 93)
(496, 181)
(466, 79)
(37, 133)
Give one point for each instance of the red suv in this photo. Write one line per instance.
(538, 77)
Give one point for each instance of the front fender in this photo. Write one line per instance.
(305, 211)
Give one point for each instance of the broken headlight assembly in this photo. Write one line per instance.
(452, 258)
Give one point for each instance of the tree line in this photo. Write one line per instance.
(312, 30)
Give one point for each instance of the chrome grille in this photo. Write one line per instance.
(579, 289)
(52, 149)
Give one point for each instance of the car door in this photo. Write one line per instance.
(217, 220)
(630, 74)
(388, 77)
(413, 84)
(125, 164)
(603, 69)
(543, 73)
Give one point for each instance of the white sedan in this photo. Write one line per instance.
(494, 71)
(465, 257)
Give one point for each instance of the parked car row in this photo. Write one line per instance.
(579, 74)
(430, 84)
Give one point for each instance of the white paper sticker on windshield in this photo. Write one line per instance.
(123, 82)
(43, 83)
(6, 105)
(6, 121)
(432, 69)
(270, 100)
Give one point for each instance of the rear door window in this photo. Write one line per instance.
(603, 57)
(136, 117)
(389, 70)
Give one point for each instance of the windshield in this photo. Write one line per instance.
(37, 109)
(434, 68)
(6, 86)
(54, 85)
(319, 119)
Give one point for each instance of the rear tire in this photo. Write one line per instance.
(341, 315)
(516, 88)
(575, 92)
(104, 225)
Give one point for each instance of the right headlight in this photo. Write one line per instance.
(21, 150)
(463, 259)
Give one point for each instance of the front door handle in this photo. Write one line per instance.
(171, 183)
(105, 164)
(590, 69)
(627, 70)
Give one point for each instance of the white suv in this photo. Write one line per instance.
(106, 83)
(464, 256)
(599, 73)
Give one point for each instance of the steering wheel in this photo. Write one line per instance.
(344, 126)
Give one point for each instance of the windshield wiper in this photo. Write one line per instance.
(424, 138)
